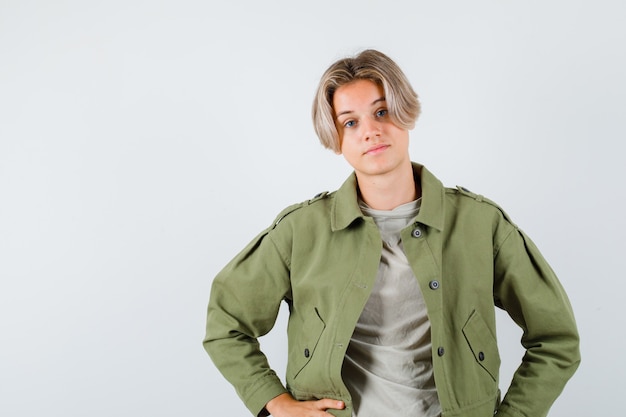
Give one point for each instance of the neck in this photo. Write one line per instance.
(389, 191)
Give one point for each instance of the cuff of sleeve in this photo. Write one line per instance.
(268, 388)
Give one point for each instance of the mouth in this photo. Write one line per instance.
(376, 149)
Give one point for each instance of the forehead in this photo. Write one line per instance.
(359, 93)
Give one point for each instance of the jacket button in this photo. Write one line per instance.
(434, 284)
(440, 351)
(307, 353)
(416, 232)
(481, 356)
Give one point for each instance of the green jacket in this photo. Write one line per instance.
(322, 256)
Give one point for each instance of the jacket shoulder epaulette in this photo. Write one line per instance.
(464, 191)
(480, 198)
(290, 209)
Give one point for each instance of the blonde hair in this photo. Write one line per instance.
(402, 101)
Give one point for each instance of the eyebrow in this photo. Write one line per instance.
(378, 100)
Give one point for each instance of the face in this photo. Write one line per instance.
(371, 143)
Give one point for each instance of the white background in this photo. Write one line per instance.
(143, 143)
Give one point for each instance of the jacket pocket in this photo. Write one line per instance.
(304, 342)
(483, 344)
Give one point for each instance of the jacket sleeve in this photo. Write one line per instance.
(243, 305)
(527, 288)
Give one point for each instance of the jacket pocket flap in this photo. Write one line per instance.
(302, 348)
(483, 344)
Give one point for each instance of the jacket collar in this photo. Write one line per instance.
(345, 208)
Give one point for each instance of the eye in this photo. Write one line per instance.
(349, 123)
(382, 113)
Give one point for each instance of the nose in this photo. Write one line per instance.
(371, 128)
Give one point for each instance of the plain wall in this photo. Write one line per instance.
(143, 144)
